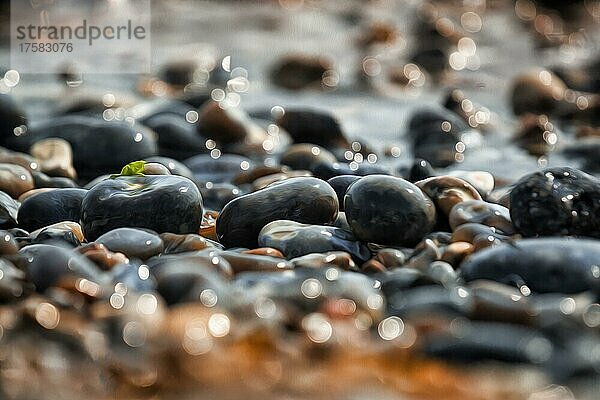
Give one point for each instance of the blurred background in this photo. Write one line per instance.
(371, 63)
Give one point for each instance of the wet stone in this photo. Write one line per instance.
(174, 243)
(47, 265)
(439, 136)
(419, 170)
(482, 181)
(216, 195)
(341, 184)
(226, 126)
(8, 211)
(391, 258)
(15, 180)
(265, 251)
(8, 244)
(498, 302)
(481, 212)
(55, 157)
(388, 210)
(471, 232)
(542, 265)
(265, 181)
(295, 239)
(22, 159)
(116, 143)
(41, 180)
(447, 191)
(47, 208)
(479, 341)
(243, 262)
(175, 167)
(101, 256)
(185, 281)
(134, 243)
(337, 259)
(65, 238)
(177, 138)
(429, 299)
(162, 203)
(341, 222)
(556, 201)
(299, 72)
(305, 155)
(310, 126)
(206, 169)
(304, 200)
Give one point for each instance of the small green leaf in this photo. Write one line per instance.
(135, 168)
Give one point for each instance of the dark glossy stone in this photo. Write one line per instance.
(471, 232)
(341, 222)
(9, 208)
(400, 279)
(305, 200)
(174, 243)
(420, 169)
(479, 211)
(478, 341)
(304, 155)
(217, 195)
(210, 259)
(185, 280)
(162, 203)
(337, 259)
(175, 167)
(114, 143)
(134, 243)
(53, 236)
(388, 210)
(326, 170)
(47, 208)
(41, 180)
(177, 138)
(253, 262)
(428, 298)
(295, 239)
(226, 125)
(46, 265)
(298, 72)
(207, 169)
(310, 126)
(341, 184)
(434, 135)
(498, 302)
(543, 265)
(134, 276)
(556, 201)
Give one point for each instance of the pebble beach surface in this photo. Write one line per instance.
(310, 200)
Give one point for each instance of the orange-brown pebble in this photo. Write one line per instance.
(455, 252)
(265, 251)
(373, 266)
